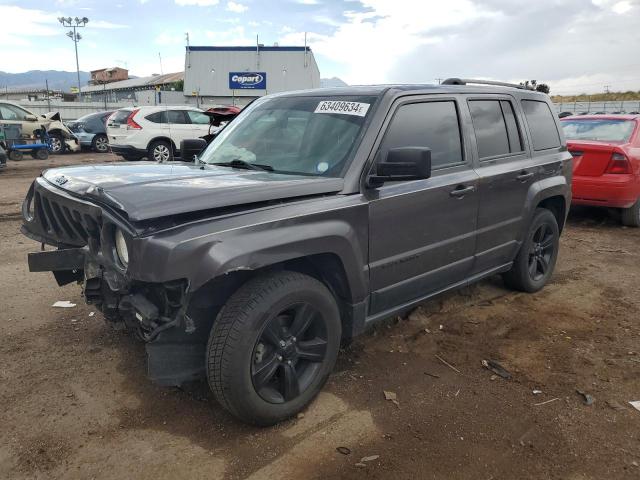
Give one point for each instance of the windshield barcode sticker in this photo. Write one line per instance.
(344, 108)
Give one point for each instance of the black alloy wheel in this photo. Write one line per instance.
(288, 355)
(272, 346)
(541, 252)
(534, 264)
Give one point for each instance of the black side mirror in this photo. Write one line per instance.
(402, 163)
(191, 147)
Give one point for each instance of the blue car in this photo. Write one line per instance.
(91, 131)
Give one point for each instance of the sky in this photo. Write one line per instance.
(574, 46)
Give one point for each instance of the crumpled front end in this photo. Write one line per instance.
(84, 236)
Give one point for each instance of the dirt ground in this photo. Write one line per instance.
(76, 402)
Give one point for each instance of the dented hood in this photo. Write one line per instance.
(146, 190)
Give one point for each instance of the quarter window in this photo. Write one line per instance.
(430, 124)
(495, 126)
(544, 133)
(157, 117)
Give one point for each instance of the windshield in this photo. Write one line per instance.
(598, 129)
(298, 135)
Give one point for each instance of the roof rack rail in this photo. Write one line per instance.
(464, 81)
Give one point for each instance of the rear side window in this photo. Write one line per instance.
(177, 116)
(542, 125)
(495, 127)
(431, 124)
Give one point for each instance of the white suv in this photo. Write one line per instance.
(155, 132)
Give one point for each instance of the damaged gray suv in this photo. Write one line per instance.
(310, 217)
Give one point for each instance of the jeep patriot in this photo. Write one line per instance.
(310, 217)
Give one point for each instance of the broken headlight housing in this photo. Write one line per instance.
(121, 248)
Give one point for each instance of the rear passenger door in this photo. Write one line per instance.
(422, 232)
(506, 172)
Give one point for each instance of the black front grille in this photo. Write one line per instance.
(66, 221)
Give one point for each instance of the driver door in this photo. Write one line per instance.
(422, 233)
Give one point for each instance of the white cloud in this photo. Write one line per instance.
(236, 7)
(366, 44)
(105, 25)
(197, 3)
(622, 7)
(233, 36)
(170, 39)
(308, 2)
(18, 24)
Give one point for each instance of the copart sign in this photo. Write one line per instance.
(247, 80)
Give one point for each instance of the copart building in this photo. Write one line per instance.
(237, 75)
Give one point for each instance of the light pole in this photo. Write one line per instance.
(75, 23)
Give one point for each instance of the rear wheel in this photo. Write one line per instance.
(160, 151)
(272, 347)
(100, 143)
(631, 215)
(537, 257)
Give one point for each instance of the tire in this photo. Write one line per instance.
(160, 151)
(537, 256)
(263, 365)
(57, 144)
(631, 215)
(15, 155)
(100, 143)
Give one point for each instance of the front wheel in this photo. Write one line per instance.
(631, 215)
(273, 346)
(538, 253)
(57, 143)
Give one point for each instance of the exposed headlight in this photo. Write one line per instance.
(121, 248)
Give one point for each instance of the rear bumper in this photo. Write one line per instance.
(128, 150)
(617, 191)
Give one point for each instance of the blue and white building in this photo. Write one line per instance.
(225, 75)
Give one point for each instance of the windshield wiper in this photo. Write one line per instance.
(237, 163)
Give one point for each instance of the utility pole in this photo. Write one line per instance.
(606, 89)
(46, 82)
(439, 80)
(75, 23)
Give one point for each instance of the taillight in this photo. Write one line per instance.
(131, 124)
(619, 164)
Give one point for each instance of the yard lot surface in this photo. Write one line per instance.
(76, 402)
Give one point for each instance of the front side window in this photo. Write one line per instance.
(599, 130)
(198, 118)
(542, 125)
(11, 112)
(298, 135)
(433, 125)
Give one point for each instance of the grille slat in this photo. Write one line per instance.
(67, 221)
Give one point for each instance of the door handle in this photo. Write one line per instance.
(461, 191)
(524, 176)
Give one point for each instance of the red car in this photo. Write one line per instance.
(606, 162)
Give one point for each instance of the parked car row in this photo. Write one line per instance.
(61, 138)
